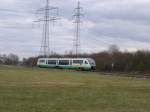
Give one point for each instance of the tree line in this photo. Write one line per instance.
(111, 60)
(116, 61)
(10, 59)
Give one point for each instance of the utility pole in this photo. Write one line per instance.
(47, 18)
(77, 20)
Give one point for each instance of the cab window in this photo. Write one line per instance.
(86, 62)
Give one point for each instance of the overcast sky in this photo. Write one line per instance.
(125, 23)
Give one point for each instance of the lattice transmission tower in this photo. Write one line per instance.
(77, 20)
(49, 15)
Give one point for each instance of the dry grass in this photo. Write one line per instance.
(45, 90)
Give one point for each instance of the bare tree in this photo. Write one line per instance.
(12, 59)
(113, 49)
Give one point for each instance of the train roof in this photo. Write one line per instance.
(66, 58)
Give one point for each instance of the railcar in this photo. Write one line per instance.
(67, 63)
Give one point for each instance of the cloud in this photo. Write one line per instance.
(121, 22)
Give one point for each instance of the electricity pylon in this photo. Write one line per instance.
(49, 15)
(77, 20)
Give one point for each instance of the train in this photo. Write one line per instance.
(67, 63)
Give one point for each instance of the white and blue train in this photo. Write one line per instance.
(67, 63)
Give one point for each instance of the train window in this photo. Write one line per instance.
(63, 62)
(78, 61)
(52, 62)
(42, 61)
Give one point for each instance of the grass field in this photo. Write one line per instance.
(45, 90)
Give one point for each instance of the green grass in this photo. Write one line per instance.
(47, 90)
